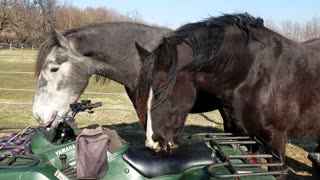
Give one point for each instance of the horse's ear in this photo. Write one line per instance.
(57, 36)
(164, 62)
(165, 49)
(141, 51)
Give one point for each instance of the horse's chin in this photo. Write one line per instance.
(41, 124)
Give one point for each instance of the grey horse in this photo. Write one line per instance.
(67, 60)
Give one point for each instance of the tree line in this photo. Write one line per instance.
(23, 21)
(297, 31)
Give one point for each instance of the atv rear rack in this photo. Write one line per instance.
(236, 159)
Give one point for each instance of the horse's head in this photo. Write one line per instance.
(62, 77)
(155, 104)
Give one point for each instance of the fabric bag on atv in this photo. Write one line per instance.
(91, 153)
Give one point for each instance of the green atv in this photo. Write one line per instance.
(49, 153)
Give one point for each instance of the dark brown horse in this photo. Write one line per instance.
(264, 84)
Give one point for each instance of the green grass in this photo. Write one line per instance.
(21, 81)
(21, 115)
(111, 87)
(18, 52)
(21, 66)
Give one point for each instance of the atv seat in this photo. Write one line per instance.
(152, 164)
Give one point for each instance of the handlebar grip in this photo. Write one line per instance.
(95, 105)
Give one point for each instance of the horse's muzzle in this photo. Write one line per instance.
(153, 145)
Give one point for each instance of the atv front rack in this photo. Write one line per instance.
(14, 147)
(236, 159)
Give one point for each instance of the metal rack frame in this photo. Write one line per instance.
(218, 140)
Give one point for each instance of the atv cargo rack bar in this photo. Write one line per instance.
(15, 141)
(233, 154)
(13, 129)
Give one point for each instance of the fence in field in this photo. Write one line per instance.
(21, 46)
(32, 90)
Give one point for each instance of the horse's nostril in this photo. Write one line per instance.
(38, 119)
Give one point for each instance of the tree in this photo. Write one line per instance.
(24, 21)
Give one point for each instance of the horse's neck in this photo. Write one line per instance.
(112, 49)
(124, 73)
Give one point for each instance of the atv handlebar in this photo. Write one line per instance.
(82, 106)
(75, 108)
(63, 128)
(95, 105)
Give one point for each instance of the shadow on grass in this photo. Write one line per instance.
(308, 144)
(134, 133)
(297, 166)
(293, 176)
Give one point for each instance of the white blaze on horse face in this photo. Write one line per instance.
(149, 141)
(51, 95)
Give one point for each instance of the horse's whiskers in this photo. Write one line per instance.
(172, 145)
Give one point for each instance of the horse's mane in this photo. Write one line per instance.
(205, 38)
(47, 46)
(42, 55)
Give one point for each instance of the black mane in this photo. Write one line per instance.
(207, 36)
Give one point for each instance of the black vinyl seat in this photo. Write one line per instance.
(152, 164)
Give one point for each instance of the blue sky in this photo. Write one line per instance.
(174, 13)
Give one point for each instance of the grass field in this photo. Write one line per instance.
(16, 109)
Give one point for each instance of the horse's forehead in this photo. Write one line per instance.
(52, 55)
(56, 56)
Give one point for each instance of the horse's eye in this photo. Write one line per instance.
(55, 69)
